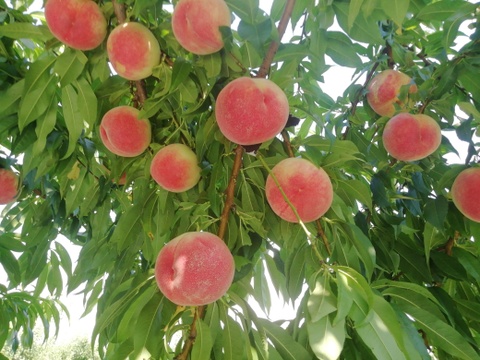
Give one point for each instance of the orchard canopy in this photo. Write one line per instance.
(390, 269)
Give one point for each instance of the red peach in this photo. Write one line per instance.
(195, 24)
(8, 186)
(79, 24)
(133, 51)
(251, 111)
(465, 193)
(307, 187)
(195, 268)
(175, 168)
(410, 137)
(384, 89)
(124, 133)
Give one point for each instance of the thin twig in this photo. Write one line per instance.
(322, 235)
(272, 50)
(199, 314)
(230, 191)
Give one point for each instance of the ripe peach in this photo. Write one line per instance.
(251, 111)
(175, 168)
(195, 268)
(133, 51)
(409, 137)
(79, 24)
(8, 186)
(124, 133)
(465, 193)
(384, 89)
(195, 24)
(307, 187)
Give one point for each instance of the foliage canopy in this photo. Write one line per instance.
(391, 271)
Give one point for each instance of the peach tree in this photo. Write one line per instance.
(375, 250)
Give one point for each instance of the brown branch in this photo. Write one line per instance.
(272, 50)
(199, 314)
(322, 235)
(230, 191)
(288, 144)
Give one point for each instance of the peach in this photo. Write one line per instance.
(133, 51)
(8, 186)
(79, 24)
(195, 268)
(410, 137)
(306, 186)
(384, 89)
(195, 25)
(465, 193)
(175, 168)
(251, 111)
(124, 133)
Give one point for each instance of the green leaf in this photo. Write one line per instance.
(436, 210)
(353, 11)
(443, 9)
(22, 30)
(326, 340)
(37, 93)
(340, 48)
(357, 190)
(382, 333)
(396, 10)
(233, 343)
(45, 126)
(86, 101)
(72, 118)
(431, 239)
(441, 334)
(321, 300)
(70, 65)
(203, 342)
(288, 348)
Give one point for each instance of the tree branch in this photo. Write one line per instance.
(230, 191)
(187, 347)
(272, 50)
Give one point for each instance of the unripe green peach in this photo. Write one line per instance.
(79, 24)
(466, 193)
(307, 187)
(410, 137)
(124, 133)
(9, 186)
(175, 168)
(133, 51)
(196, 23)
(250, 111)
(195, 268)
(384, 89)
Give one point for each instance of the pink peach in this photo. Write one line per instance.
(9, 184)
(133, 51)
(251, 111)
(196, 23)
(124, 133)
(410, 137)
(195, 268)
(175, 168)
(79, 24)
(466, 193)
(384, 89)
(307, 187)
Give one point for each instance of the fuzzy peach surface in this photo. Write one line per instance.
(251, 110)
(79, 24)
(307, 187)
(133, 51)
(410, 137)
(196, 23)
(8, 186)
(175, 168)
(123, 133)
(195, 268)
(384, 89)
(466, 193)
